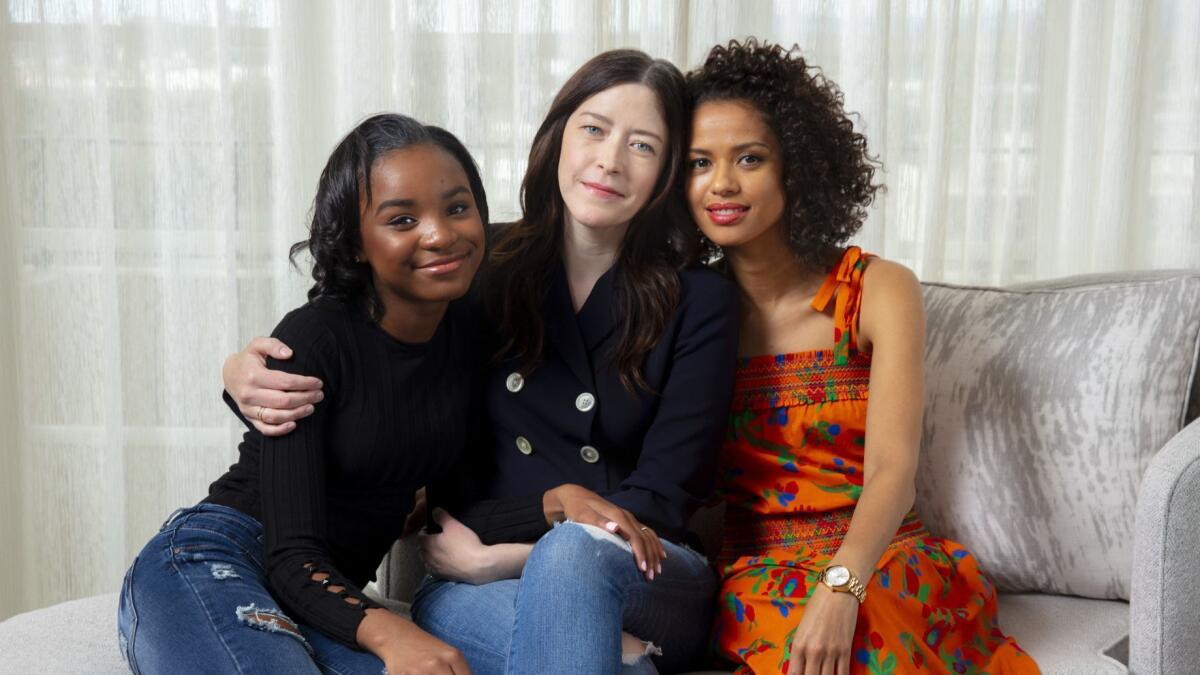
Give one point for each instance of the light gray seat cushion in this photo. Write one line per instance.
(1068, 636)
(72, 638)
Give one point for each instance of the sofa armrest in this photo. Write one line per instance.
(1165, 592)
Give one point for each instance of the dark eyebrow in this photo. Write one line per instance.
(409, 203)
(394, 202)
(642, 132)
(751, 144)
(736, 148)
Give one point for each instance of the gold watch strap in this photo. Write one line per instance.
(857, 589)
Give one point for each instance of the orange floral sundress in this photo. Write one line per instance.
(791, 475)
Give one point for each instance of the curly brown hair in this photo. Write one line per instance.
(828, 174)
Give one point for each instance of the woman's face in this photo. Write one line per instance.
(613, 147)
(421, 231)
(735, 174)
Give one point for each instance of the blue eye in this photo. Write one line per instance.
(591, 129)
(643, 147)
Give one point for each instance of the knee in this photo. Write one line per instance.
(577, 548)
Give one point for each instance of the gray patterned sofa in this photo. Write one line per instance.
(1060, 445)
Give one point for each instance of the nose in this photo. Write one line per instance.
(723, 183)
(611, 155)
(438, 234)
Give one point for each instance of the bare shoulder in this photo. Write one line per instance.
(891, 301)
(887, 278)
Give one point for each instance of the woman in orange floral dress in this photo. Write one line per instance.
(825, 567)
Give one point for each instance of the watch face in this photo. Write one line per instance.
(837, 575)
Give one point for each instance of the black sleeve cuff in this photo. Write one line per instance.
(506, 521)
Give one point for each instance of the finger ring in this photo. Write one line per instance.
(643, 528)
(259, 415)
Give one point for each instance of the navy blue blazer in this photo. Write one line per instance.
(571, 420)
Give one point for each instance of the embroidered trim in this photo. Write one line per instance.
(800, 378)
(748, 533)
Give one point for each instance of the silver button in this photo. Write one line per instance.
(514, 382)
(589, 454)
(524, 445)
(585, 402)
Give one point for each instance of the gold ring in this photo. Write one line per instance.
(643, 528)
(259, 415)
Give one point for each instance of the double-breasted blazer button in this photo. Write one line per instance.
(514, 382)
(589, 454)
(585, 402)
(524, 446)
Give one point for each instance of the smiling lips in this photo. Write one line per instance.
(445, 264)
(602, 191)
(726, 213)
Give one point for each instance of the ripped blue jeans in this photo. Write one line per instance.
(195, 600)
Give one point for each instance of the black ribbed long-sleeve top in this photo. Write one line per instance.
(333, 495)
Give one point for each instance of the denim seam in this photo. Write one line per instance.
(328, 666)
(231, 520)
(217, 533)
(129, 639)
(207, 611)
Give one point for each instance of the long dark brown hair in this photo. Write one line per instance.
(658, 243)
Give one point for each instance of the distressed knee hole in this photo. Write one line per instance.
(601, 534)
(271, 621)
(634, 650)
(223, 571)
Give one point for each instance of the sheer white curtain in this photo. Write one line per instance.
(159, 157)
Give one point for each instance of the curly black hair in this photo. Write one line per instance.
(335, 232)
(828, 174)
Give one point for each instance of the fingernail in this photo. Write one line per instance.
(320, 396)
(611, 526)
(284, 351)
(643, 565)
(660, 569)
(651, 575)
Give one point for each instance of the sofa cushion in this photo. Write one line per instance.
(1068, 636)
(1043, 408)
(72, 638)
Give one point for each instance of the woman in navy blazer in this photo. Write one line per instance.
(607, 359)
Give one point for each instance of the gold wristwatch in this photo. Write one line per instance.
(840, 579)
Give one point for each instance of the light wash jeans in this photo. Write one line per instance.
(580, 588)
(195, 600)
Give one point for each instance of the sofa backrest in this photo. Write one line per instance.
(1044, 405)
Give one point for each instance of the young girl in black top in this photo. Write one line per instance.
(265, 575)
